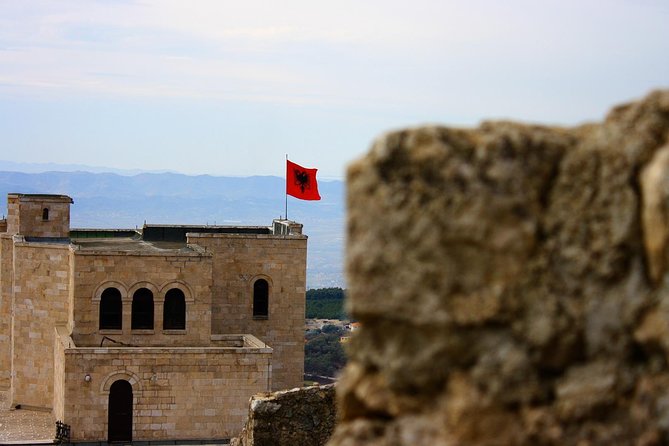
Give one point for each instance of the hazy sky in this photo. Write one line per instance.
(230, 87)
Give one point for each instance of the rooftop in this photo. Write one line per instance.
(169, 239)
(177, 233)
(53, 197)
(132, 244)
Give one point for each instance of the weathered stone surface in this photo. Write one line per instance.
(511, 281)
(654, 218)
(304, 417)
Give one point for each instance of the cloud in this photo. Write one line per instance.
(176, 84)
(421, 54)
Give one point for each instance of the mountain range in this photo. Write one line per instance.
(111, 200)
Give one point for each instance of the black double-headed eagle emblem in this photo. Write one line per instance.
(302, 179)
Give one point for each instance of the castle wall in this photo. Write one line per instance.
(6, 256)
(25, 215)
(96, 271)
(61, 338)
(239, 260)
(192, 383)
(184, 393)
(40, 302)
(12, 214)
(304, 416)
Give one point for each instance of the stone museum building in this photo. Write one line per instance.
(152, 334)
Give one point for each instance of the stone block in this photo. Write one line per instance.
(511, 281)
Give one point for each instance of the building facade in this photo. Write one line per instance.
(162, 333)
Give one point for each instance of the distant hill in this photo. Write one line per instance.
(12, 166)
(109, 200)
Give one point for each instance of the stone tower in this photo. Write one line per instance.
(38, 215)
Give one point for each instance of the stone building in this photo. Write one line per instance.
(162, 333)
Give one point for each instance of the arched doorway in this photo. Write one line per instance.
(120, 411)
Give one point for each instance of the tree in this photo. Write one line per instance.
(324, 354)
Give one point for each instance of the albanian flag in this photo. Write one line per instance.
(301, 182)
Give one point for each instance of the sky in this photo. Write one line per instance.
(225, 87)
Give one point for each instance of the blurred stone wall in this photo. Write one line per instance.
(511, 282)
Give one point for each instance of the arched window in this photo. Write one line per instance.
(111, 310)
(174, 310)
(45, 214)
(142, 310)
(260, 299)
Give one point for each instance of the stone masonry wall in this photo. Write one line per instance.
(238, 261)
(182, 393)
(61, 341)
(6, 256)
(12, 215)
(130, 271)
(304, 417)
(40, 302)
(24, 215)
(511, 282)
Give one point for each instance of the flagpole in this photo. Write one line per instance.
(286, 186)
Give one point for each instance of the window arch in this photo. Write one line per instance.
(45, 214)
(174, 310)
(260, 299)
(111, 310)
(142, 310)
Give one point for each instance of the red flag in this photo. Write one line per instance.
(301, 182)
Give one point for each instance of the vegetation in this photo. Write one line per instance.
(325, 303)
(323, 353)
(325, 293)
